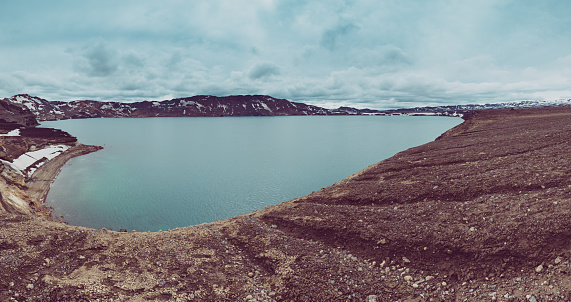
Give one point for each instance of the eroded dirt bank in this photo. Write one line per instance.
(483, 213)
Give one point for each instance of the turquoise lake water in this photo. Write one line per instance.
(162, 173)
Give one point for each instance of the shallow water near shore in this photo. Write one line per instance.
(163, 173)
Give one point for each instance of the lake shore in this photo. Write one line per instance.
(39, 183)
(482, 213)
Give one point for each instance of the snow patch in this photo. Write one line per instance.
(21, 99)
(265, 106)
(184, 103)
(423, 113)
(12, 133)
(22, 163)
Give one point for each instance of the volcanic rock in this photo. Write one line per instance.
(507, 173)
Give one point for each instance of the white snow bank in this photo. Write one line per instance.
(25, 160)
(12, 133)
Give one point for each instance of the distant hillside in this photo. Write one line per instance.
(462, 110)
(202, 105)
(237, 105)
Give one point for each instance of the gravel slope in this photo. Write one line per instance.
(482, 213)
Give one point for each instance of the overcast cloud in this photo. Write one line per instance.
(375, 54)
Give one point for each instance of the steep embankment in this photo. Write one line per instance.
(483, 213)
(28, 166)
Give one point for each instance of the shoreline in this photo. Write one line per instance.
(39, 184)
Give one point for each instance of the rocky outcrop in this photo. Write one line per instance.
(25, 166)
(14, 115)
(483, 213)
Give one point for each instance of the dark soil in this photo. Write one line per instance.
(480, 214)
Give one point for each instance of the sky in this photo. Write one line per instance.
(377, 54)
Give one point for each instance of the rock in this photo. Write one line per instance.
(30, 286)
(407, 278)
(14, 115)
(249, 297)
(539, 268)
(405, 260)
(372, 298)
(558, 260)
(532, 299)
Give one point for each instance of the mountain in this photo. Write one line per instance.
(237, 105)
(201, 105)
(14, 115)
(460, 110)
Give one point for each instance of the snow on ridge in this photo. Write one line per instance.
(20, 99)
(184, 103)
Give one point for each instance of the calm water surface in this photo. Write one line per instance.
(163, 173)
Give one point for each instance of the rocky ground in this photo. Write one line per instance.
(480, 214)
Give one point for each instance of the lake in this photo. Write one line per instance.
(162, 173)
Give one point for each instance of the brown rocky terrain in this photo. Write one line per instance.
(480, 214)
(14, 115)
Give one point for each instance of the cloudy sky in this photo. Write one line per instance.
(376, 54)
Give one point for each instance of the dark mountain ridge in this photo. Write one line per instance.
(200, 105)
(235, 105)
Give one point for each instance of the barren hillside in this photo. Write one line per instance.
(482, 213)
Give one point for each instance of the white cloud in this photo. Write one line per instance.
(99, 60)
(368, 53)
(263, 70)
